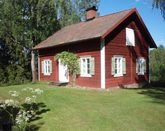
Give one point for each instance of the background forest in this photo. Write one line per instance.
(25, 23)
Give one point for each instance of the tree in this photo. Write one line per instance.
(4, 59)
(41, 21)
(73, 11)
(25, 23)
(11, 33)
(71, 60)
(161, 5)
(157, 63)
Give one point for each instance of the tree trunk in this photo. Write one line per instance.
(73, 80)
(33, 66)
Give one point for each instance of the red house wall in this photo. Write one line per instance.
(89, 48)
(116, 45)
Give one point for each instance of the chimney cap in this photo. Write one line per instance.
(92, 8)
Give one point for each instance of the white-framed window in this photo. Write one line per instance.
(47, 67)
(140, 66)
(87, 66)
(130, 37)
(118, 66)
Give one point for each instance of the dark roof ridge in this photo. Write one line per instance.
(115, 13)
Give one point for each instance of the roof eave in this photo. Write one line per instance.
(66, 43)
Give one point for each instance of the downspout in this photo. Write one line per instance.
(102, 63)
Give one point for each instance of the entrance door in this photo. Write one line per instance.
(63, 72)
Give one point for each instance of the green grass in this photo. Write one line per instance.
(71, 109)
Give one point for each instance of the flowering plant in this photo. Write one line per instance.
(20, 112)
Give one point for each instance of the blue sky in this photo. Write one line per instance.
(151, 17)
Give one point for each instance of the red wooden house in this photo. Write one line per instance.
(113, 51)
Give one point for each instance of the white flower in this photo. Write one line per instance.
(28, 100)
(38, 91)
(10, 102)
(3, 106)
(14, 93)
(34, 96)
(24, 116)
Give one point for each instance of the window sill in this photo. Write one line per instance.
(118, 75)
(87, 75)
(130, 45)
(141, 74)
(47, 74)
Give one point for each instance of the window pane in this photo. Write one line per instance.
(115, 65)
(119, 65)
(83, 66)
(88, 66)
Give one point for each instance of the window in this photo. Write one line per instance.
(47, 67)
(118, 66)
(130, 37)
(87, 66)
(140, 66)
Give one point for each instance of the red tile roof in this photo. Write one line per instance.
(98, 27)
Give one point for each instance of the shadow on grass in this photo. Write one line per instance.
(33, 127)
(154, 90)
(6, 123)
(156, 93)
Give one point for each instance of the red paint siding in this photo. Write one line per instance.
(117, 46)
(90, 48)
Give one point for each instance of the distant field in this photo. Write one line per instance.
(65, 109)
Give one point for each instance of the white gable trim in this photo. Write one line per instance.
(148, 66)
(102, 63)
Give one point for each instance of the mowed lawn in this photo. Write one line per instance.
(70, 109)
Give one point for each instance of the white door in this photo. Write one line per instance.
(63, 72)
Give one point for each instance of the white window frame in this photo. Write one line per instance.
(118, 66)
(47, 65)
(141, 66)
(85, 67)
(130, 37)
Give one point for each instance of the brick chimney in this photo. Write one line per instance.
(91, 13)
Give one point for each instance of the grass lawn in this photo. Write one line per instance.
(66, 109)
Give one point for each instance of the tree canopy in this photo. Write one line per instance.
(157, 63)
(25, 23)
(160, 4)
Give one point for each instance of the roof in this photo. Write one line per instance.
(96, 28)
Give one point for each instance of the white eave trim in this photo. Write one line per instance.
(102, 63)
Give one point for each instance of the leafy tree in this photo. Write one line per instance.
(40, 22)
(11, 33)
(25, 23)
(161, 5)
(71, 60)
(73, 11)
(157, 64)
(4, 58)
